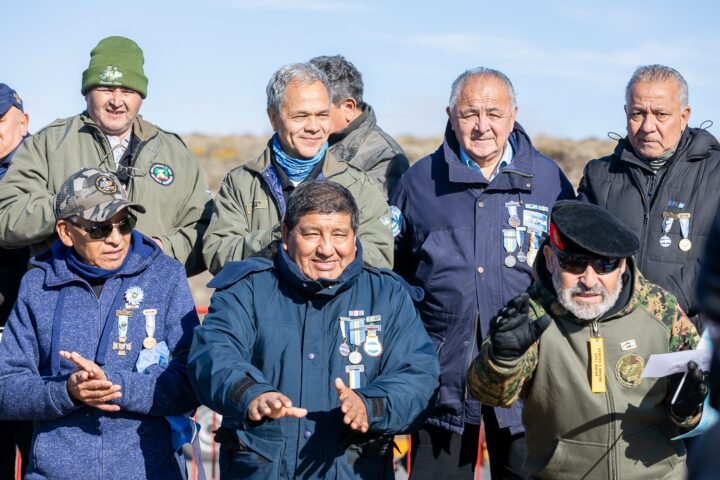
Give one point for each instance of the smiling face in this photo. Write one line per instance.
(322, 245)
(587, 295)
(303, 122)
(655, 117)
(113, 109)
(483, 118)
(108, 253)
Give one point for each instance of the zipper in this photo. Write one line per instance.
(609, 402)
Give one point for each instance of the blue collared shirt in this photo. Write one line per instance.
(506, 160)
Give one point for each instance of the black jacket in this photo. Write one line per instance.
(627, 187)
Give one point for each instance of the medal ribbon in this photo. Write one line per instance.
(509, 240)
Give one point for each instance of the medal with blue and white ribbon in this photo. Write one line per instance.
(513, 218)
(122, 345)
(344, 348)
(510, 244)
(149, 341)
(534, 246)
(667, 223)
(355, 328)
(354, 372)
(684, 220)
(520, 236)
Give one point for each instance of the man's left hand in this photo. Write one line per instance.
(353, 407)
(692, 393)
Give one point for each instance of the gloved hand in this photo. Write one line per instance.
(692, 394)
(512, 332)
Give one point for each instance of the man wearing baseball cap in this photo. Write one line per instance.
(95, 348)
(574, 348)
(13, 262)
(154, 166)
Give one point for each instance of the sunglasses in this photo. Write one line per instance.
(577, 264)
(100, 231)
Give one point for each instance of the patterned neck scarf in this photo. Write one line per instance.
(297, 169)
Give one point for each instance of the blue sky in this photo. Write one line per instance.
(208, 62)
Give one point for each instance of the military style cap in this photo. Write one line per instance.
(93, 195)
(8, 99)
(584, 228)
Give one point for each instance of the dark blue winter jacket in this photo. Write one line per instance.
(451, 244)
(270, 328)
(57, 310)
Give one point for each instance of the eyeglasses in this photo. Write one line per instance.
(100, 231)
(577, 264)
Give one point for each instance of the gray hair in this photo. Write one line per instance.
(658, 73)
(459, 83)
(320, 196)
(345, 80)
(302, 73)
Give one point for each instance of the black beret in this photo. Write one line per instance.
(584, 228)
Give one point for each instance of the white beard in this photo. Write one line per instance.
(586, 311)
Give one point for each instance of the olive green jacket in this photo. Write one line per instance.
(573, 433)
(177, 212)
(246, 216)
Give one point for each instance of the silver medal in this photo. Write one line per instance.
(355, 357)
(665, 241)
(685, 244)
(510, 261)
(344, 349)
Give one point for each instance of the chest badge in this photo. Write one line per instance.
(372, 345)
(133, 297)
(628, 370)
(162, 174)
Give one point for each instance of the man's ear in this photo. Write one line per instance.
(63, 230)
(349, 108)
(24, 123)
(272, 116)
(549, 254)
(284, 235)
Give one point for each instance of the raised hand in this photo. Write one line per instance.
(512, 332)
(352, 406)
(89, 384)
(273, 405)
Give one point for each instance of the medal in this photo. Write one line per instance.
(372, 345)
(520, 237)
(355, 328)
(684, 220)
(344, 348)
(122, 345)
(510, 244)
(355, 357)
(667, 224)
(149, 342)
(514, 219)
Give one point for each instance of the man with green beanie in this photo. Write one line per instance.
(154, 166)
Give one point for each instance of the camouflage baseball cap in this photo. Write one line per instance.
(93, 195)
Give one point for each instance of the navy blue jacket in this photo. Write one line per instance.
(451, 244)
(270, 328)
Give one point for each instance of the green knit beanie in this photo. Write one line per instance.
(116, 61)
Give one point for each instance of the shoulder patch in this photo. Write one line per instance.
(234, 271)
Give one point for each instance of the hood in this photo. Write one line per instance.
(542, 291)
(695, 144)
(54, 261)
(290, 272)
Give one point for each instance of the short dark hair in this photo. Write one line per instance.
(345, 80)
(320, 196)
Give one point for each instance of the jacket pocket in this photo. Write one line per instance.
(367, 457)
(659, 456)
(243, 455)
(572, 460)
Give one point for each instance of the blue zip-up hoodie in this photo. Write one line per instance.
(57, 310)
(451, 244)
(270, 328)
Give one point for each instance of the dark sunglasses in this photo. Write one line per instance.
(577, 264)
(100, 231)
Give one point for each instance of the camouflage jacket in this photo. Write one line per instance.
(572, 432)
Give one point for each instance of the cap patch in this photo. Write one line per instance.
(105, 184)
(162, 174)
(111, 75)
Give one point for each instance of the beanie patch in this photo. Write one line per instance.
(111, 76)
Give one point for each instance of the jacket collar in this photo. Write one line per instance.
(290, 272)
(331, 166)
(360, 125)
(141, 129)
(57, 273)
(519, 176)
(695, 144)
